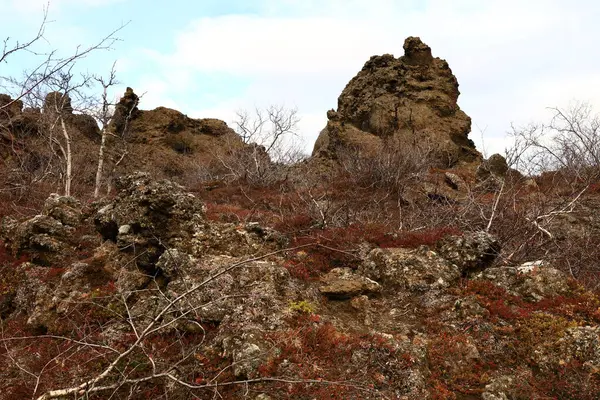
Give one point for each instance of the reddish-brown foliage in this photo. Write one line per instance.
(453, 369)
(315, 350)
(336, 247)
(570, 381)
(580, 306)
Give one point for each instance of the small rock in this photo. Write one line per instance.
(65, 209)
(494, 167)
(471, 252)
(499, 388)
(532, 280)
(342, 283)
(417, 270)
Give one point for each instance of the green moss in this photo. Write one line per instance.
(303, 307)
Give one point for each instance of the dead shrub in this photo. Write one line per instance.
(387, 168)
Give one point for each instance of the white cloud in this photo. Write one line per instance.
(154, 92)
(250, 44)
(512, 58)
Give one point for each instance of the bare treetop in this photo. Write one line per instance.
(47, 64)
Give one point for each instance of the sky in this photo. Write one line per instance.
(210, 58)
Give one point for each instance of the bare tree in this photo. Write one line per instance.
(57, 107)
(50, 73)
(104, 117)
(386, 168)
(270, 146)
(576, 133)
(49, 64)
(268, 128)
(569, 142)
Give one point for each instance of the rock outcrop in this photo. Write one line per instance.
(47, 237)
(167, 142)
(416, 270)
(341, 283)
(408, 102)
(172, 129)
(125, 110)
(162, 141)
(149, 217)
(532, 281)
(471, 252)
(495, 166)
(9, 107)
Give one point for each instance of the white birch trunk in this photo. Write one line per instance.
(68, 160)
(100, 162)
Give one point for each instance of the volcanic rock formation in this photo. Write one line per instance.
(409, 101)
(162, 141)
(159, 138)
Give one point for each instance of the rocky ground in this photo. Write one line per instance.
(164, 302)
(395, 263)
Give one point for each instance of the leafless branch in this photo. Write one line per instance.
(8, 49)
